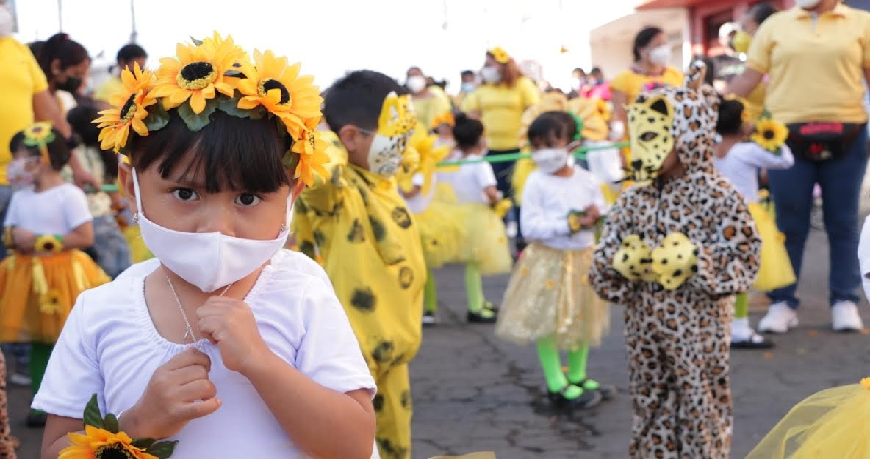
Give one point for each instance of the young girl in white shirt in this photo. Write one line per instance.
(548, 300)
(224, 342)
(47, 225)
(485, 250)
(740, 161)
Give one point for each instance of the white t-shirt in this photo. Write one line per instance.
(470, 180)
(109, 347)
(58, 210)
(420, 202)
(742, 163)
(547, 201)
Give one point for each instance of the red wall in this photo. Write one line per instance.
(699, 13)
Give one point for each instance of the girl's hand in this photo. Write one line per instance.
(230, 324)
(593, 212)
(24, 240)
(179, 391)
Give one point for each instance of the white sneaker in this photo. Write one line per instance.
(779, 319)
(846, 317)
(16, 379)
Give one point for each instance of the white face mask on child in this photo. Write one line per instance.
(207, 260)
(551, 160)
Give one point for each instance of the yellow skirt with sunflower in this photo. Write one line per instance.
(549, 294)
(38, 293)
(486, 242)
(775, 270)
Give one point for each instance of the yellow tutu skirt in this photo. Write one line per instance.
(138, 251)
(549, 294)
(39, 292)
(441, 233)
(486, 243)
(775, 270)
(833, 423)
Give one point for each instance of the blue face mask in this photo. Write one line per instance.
(468, 87)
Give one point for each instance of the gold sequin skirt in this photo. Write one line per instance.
(549, 294)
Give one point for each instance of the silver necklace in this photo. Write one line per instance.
(188, 329)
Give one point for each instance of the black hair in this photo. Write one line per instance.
(36, 47)
(234, 153)
(643, 39)
(467, 73)
(58, 153)
(80, 119)
(61, 47)
(579, 70)
(730, 117)
(467, 131)
(761, 11)
(129, 52)
(551, 126)
(596, 70)
(711, 72)
(357, 99)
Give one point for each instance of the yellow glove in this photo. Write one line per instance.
(675, 260)
(633, 260)
(502, 207)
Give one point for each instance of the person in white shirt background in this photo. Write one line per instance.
(548, 300)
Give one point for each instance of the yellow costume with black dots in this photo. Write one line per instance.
(39, 291)
(357, 224)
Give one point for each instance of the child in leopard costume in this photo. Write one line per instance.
(677, 246)
(7, 444)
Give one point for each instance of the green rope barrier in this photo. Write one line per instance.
(579, 153)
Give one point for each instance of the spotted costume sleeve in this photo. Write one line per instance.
(607, 282)
(728, 263)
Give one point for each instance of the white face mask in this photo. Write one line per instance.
(551, 160)
(660, 55)
(7, 22)
(807, 4)
(208, 261)
(416, 83)
(468, 86)
(490, 74)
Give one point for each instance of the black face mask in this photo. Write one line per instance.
(72, 84)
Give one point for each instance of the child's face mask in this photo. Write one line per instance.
(650, 124)
(20, 172)
(208, 261)
(552, 160)
(395, 126)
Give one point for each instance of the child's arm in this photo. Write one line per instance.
(491, 193)
(752, 153)
(80, 238)
(312, 415)
(536, 226)
(605, 279)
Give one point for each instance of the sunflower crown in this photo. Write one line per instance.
(501, 56)
(39, 135)
(216, 74)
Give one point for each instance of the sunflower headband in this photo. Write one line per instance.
(40, 135)
(444, 118)
(501, 56)
(216, 74)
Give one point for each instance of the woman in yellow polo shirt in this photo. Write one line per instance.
(649, 71)
(499, 103)
(429, 102)
(817, 57)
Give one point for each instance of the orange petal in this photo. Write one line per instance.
(140, 127)
(224, 89)
(208, 91)
(176, 98)
(197, 102)
(248, 102)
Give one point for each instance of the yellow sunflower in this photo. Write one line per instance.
(501, 56)
(278, 87)
(48, 243)
(49, 303)
(770, 135)
(428, 156)
(129, 109)
(310, 150)
(444, 118)
(99, 443)
(197, 72)
(39, 132)
(603, 108)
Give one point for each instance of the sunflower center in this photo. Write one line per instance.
(268, 85)
(48, 246)
(196, 75)
(113, 451)
(129, 108)
(768, 135)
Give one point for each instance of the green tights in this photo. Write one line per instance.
(551, 363)
(474, 291)
(430, 293)
(741, 306)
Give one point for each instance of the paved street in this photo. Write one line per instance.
(473, 392)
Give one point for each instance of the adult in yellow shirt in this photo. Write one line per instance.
(649, 71)
(817, 58)
(500, 103)
(128, 55)
(428, 102)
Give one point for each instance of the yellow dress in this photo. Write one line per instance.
(357, 224)
(830, 424)
(441, 232)
(38, 293)
(775, 270)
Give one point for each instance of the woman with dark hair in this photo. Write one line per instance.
(749, 23)
(65, 64)
(500, 103)
(650, 70)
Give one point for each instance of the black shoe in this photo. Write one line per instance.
(429, 319)
(755, 342)
(608, 392)
(488, 317)
(585, 401)
(492, 307)
(36, 419)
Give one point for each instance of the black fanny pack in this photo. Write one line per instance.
(822, 141)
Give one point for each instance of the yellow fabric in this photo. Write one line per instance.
(440, 227)
(20, 79)
(523, 168)
(39, 292)
(754, 103)
(393, 412)
(138, 251)
(775, 270)
(632, 84)
(108, 88)
(830, 424)
(428, 108)
(487, 242)
(501, 110)
(816, 72)
(357, 223)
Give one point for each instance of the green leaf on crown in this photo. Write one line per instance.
(157, 117)
(162, 449)
(195, 122)
(92, 415)
(143, 443)
(111, 423)
(231, 107)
